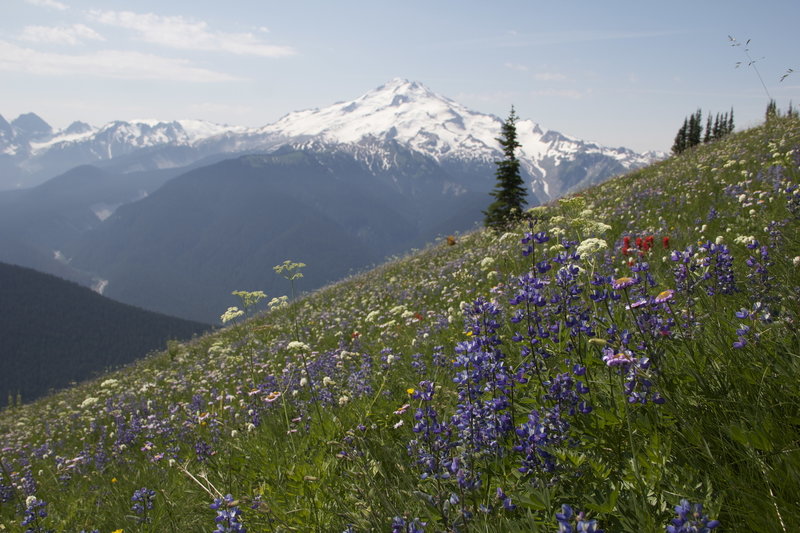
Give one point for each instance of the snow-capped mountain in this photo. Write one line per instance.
(411, 114)
(401, 111)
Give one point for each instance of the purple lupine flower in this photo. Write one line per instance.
(401, 525)
(35, 511)
(567, 517)
(143, 500)
(228, 517)
(690, 519)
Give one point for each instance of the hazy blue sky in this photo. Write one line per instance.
(623, 73)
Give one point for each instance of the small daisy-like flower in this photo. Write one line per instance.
(624, 357)
(402, 409)
(410, 390)
(623, 283)
(664, 296)
(272, 396)
(638, 303)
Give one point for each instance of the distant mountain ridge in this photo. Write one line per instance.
(173, 216)
(400, 110)
(218, 228)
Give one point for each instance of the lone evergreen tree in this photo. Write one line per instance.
(510, 191)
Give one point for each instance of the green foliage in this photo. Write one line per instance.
(510, 191)
(312, 415)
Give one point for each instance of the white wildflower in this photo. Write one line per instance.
(487, 262)
(231, 314)
(89, 402)
(591, 246)
(109, 383)
(278, 303)
(297, 346)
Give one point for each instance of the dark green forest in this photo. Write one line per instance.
(54, 332)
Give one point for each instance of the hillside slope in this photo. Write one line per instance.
(54, 332)
(631, 354)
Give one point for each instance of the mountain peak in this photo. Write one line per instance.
(406, 111)
(32, 126)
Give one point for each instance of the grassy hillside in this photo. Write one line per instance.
(630, 355)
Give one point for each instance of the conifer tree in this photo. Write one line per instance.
(680, 139)
(730, 123)
(510, 191)
(695, 129)
(772, 110)
(709, 128)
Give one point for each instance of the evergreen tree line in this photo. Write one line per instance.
(774, 112)
(691, 133)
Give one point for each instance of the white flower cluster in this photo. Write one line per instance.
(591, 246)
(231, 314)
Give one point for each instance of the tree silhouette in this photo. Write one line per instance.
(510, 192)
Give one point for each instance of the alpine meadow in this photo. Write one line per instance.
(621, 359)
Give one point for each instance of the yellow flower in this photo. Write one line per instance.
(117, 531)
(113, 480)
(410, 390)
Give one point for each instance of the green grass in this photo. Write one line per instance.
(317, 436)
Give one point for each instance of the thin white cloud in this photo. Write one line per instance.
(515, 66)
(52, 4)
(185, 34)
(220, 108)
(71, 35)
(106, 64)
(549, 76)
(572, 94)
